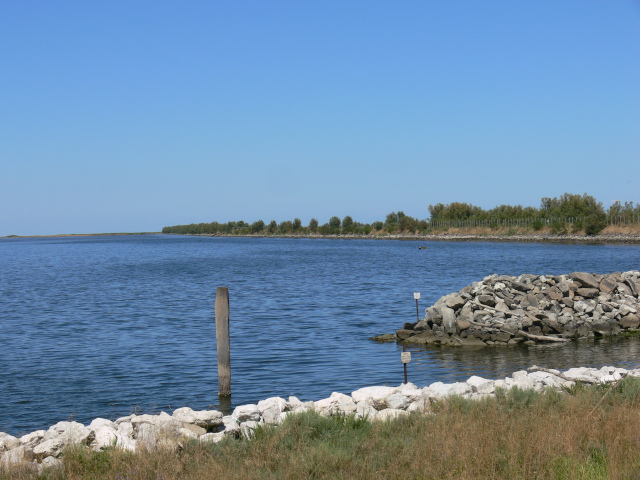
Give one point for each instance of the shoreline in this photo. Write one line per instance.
(461, 237)
(42, 449)
(607, 238)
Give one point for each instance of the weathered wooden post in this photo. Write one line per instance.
(223, 341)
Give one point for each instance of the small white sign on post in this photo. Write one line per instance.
(405, 357)
(416, 295)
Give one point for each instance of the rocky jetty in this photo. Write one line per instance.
(505, 310)
(44, 448)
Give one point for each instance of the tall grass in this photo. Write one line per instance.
(584, 433)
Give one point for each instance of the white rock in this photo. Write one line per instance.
(231, 426)
(373, 395)
(365, 410)
(582, 374)
(50, 463)
(420, 405)
(7, 442)
(104, 436)
(23, 453)
(397, 401)
(389, 414)
(248, 428)
(437, 390)
(246, 413)
(212, 437)
(410, 391)
(100, 422)
(33, 438)
(481, 385)
(460, 388)
(271, 408)
(52, 447)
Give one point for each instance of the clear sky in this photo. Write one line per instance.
(120, 116)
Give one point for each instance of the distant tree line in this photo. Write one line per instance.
(584, 211)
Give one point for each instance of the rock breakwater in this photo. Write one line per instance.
(44, 448)
(506, 310)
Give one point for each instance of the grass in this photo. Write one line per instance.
(581, 433)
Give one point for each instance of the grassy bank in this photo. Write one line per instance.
(586, 433)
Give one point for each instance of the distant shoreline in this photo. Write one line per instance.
(617, 238)
(539, 238)
(79, 235)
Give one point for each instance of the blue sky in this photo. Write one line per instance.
(129, 116)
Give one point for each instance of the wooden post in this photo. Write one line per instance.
(223, 342)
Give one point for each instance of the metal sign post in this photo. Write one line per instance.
(416, 295)
(405, 357)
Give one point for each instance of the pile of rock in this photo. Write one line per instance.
(505, 310)
(43, 448)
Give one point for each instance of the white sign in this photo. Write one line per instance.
(416, 295)
(405, 357)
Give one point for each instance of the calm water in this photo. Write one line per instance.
(104, 326)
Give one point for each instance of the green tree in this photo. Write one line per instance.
(285, 227)
(273, 227)
(257, 227)
(313, 225)
(334, 222)
(347, 224)
(297, 223)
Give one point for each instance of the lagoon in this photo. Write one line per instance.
(107, 325)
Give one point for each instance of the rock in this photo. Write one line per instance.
(212, 437)
(365, 410)
(49, 463)
(630, 321)
(588, 292)
(7, 442)
(389, 414)
(246, 413)
(454, 301)
(462, 325)
(15, 456)
(375, 396)
(404, 334)
(585, 279)
(481, 385)
(271, 408)
(582, 374)
(448, 320)
(421, 338)
(248, 429)
(397, 401)
(104, 436)
(33, 438)
(608, 285)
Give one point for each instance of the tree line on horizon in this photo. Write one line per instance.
(588, 214)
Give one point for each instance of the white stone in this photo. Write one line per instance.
(7, 442)
(365, 410)
(437, 390)
(389, 414)
(582, 374)
(100, 422)
(231, 426)
(271, 408)
(420, 405)
(212, 437)
(397, 401)
(410, 391)
(52, 447)
(460, 388)
(104, 436)
(49, 463)
(246, 413)
(248, 428)
(481, 385)
(373, 395)
(33, 438)
(23, 453)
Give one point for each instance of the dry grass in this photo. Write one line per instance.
(521, 434)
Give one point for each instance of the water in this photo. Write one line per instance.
(106, 326)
